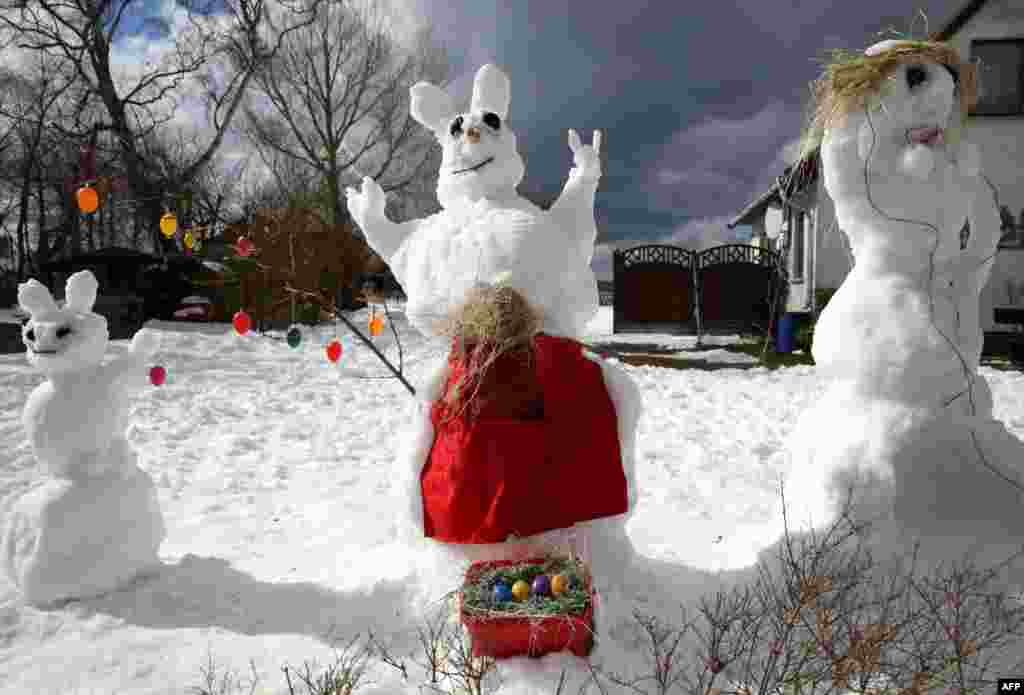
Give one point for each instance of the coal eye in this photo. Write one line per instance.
(492, 120)
(456, 126)
(30, 334)
(953, 72)
(916, 75)
(63, 332)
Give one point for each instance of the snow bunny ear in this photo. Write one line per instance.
(491, 91)
(35, 298)
(431, 106)
(80, 292)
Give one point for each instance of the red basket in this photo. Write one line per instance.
(502, 637)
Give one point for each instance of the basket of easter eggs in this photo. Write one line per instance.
(528, 607)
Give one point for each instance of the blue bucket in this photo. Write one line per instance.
(785, 336)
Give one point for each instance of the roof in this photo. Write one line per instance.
(762, 201)
(794, 179)
(959, 20)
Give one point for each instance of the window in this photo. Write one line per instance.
(1000, 76)
(796, 235)
(1012, 231)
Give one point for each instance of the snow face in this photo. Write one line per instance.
(908, 420)
(95, 523)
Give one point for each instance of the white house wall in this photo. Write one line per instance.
(1001, 141)
(833, 260)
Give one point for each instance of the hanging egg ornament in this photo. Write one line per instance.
(189, 241)
(157, 376)
(376, 326)
(244, 247)
(88, 200)
(521, 590)
(502, 592)
(559, 584)
(242, 322)
(541, 585)
(334, 350)
(168, 224)
(293, 336)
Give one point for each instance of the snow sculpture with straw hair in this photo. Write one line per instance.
(497, 274)
(907, 422)
(94, 521)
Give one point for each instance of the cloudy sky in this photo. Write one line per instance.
(699, 102)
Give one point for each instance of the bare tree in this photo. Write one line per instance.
(221, 53)
(334, 103)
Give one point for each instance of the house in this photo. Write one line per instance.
(796, 214)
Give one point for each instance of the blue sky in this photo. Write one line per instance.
(698, 101)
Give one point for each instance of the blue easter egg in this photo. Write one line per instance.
(502, 592)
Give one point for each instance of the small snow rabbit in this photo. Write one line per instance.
(486, 228)
(75, 419)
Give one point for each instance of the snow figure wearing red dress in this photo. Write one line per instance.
(535, 479)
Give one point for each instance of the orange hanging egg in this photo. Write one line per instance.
(88, 199)
(376, 326)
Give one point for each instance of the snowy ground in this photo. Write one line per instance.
(272, 468)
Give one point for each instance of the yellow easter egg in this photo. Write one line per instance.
(521, 590)
(559, 584)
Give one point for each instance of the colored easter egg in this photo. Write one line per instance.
(502, 592)
(521, 590)
(559, 584)
(242, 322)
(157, 376)
(541, 585)
(334, 350)
(294, 337)
(376, 326)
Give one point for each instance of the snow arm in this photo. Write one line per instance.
(130, 369)
(367, 208)
(574, 209)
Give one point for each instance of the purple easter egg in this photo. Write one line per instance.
(541, 585)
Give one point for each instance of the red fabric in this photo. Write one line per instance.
(539, 451)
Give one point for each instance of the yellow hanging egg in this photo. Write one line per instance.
(521, 590)
(559, 584)
(188, 240)
(168, 225)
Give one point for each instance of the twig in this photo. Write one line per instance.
(333, 309)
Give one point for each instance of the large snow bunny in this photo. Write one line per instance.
(486, 230)
(94, 522)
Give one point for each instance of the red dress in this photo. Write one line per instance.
(538, 449)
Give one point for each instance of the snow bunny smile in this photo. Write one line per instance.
(474, 167)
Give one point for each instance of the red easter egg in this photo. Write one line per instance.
(241, 322)
(157, 376)
(334, 351)
(244, 247)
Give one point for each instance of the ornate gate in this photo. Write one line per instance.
(654, 290)
(725, 289)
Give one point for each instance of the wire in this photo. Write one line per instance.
(931, 297)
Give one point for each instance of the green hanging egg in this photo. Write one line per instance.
(294, 337)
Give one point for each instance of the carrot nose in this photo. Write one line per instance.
(473, 135)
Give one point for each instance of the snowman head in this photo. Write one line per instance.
(909, 92)
(62, 339)
(479, 155)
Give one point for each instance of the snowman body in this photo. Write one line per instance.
(901, 338)
(93, 521)
(487, 230)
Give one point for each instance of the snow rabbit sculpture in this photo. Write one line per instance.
(94, 522)
(486, 228)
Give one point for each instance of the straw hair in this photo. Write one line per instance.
(850, 78)
(493, 320)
